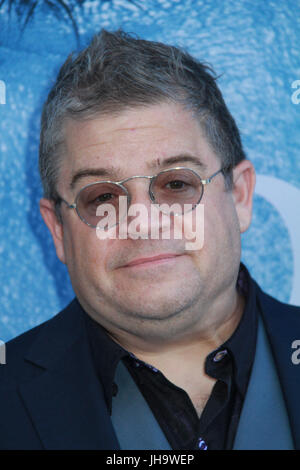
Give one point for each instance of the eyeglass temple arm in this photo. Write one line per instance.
(208, 180)
(69, 206)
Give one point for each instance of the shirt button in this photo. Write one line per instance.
(219, 356)
(202, 444)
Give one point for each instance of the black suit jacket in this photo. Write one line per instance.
(51, 398)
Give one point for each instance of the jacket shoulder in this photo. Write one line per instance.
(277, 309)
(282, 322)
(15, 367)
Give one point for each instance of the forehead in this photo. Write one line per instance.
(136, 140)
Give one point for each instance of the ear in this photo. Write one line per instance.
(242, 192)
(54, 225)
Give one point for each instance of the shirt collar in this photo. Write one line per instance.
(242, 343)
(106, 355)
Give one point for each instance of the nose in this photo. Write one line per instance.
(139, 212)
(144, 220)
(138, 187)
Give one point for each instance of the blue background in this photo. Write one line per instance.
(255, 46)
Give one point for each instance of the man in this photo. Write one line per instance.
(164, 347)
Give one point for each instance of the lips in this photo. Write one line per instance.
(151, 259)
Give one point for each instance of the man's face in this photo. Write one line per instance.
(159, 298)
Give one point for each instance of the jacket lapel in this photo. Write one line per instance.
(282, 325)
(263, 423)
(65, 400)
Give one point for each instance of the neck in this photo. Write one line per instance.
(191, 347)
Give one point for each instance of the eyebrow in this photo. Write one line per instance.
(114, 172)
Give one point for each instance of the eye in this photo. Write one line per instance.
(96, 197)
(102, 198)
(176, 184)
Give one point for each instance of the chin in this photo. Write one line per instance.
(160, 304)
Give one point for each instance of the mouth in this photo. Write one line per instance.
(152, 261)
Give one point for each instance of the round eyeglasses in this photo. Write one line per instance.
(180, 185)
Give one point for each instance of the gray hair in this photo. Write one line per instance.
(118, 71)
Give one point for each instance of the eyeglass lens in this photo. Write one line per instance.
(177, 186)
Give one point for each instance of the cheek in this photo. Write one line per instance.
(85, 253)
(190, 228)
(223, 233)
(220, 230)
